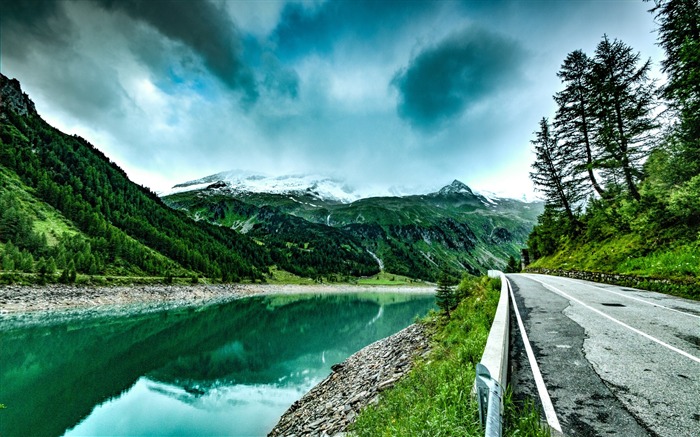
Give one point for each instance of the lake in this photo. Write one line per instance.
(222, 369)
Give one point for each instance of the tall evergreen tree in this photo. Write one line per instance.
(575, 122)
(513, 265)
(554, 172)
(624, 105)
(445, 295)
(679, 35)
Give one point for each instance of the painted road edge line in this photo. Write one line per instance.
(654, 304)
(547, 405)
(619, 322)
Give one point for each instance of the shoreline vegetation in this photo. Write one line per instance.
(373, 392)
(620, 179)
(435, 398)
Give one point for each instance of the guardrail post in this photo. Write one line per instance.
(489, 396)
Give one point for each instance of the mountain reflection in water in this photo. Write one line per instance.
(224, 369)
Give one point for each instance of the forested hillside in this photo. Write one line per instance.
(306, 249)
(619, 164)
(102, 223)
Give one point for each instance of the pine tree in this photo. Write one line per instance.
(555, 174)
(624, 104)
(50, 266)
(679, 35)
(513, 265)
(68, 275)
(575, 122)
(445, 296)
(41, 267)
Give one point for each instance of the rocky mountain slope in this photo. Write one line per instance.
(452, 229)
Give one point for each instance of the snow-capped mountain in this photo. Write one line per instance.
(413, 234)
(322, 188)
(239, 182)
(456, 187)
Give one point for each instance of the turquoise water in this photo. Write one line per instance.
(223, 369)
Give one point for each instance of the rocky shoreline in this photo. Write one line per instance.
(56, 297)
(331, 406)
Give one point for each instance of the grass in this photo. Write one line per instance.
(677, 262)
(385, 278)
(22, 278)
(677, 266)
(47, 220)
(435, 398)
(123, 277)
(282, 277)
(628, 254)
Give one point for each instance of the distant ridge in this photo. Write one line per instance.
(416, 235)
(321, 187)
(240, 182)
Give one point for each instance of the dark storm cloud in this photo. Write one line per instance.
(39, 33)
(446, 79)
(303, 29)
(202, 26)
(42, 21)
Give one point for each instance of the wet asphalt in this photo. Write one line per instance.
(616, 361)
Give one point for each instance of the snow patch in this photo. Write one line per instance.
(319, 187)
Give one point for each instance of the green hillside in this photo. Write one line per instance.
(414, 236)
(622, 184)
(67, 203)
(296, 245)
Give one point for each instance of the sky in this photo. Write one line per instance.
(405, 94)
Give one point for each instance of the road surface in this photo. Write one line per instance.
(614, 360)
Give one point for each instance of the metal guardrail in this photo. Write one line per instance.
(492, 371)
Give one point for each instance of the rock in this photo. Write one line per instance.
(331, 406)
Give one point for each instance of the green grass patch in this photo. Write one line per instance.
(435, 398)
(385, 278)
(627, 254)
(283, 277)
(677, 262)
(672, 270)
(47, 220)
(21, 278)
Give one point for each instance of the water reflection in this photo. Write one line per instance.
(227, 369)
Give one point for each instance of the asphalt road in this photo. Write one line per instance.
(614, 360)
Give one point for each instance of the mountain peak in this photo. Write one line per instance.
(456, 187)
(320, 187)
(12, 98)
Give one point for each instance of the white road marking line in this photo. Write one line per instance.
(547, 406)
(643, 334)
(629, 297)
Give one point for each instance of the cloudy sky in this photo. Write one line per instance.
(405, 93)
